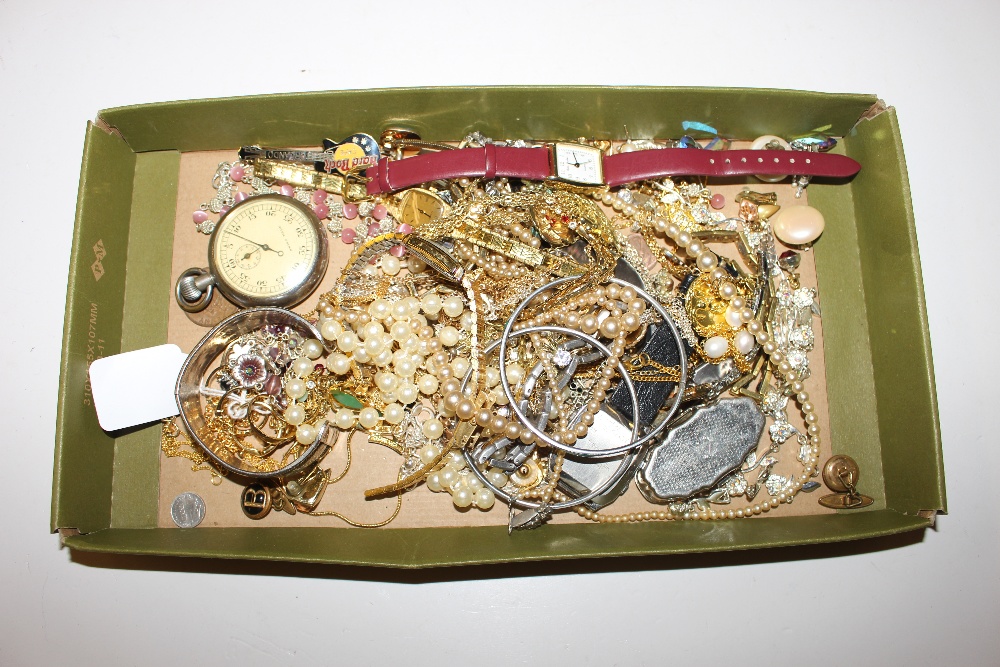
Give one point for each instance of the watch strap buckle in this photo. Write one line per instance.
(356, 187)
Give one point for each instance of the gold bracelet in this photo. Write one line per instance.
(309, 178)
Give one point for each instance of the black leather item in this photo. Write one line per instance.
(661, 346)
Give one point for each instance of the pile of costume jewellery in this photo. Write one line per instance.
(541, 342)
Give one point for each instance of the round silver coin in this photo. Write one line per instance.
(187, 510)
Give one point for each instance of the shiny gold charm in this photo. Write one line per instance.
(717, 318)
(706, 308)
(758, 198)
(553, 226)
(765, 211)
(306, 491)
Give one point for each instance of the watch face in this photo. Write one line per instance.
(581, 164)
(418, 206)
(268, 250)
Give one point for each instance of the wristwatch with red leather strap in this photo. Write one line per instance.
(579, 164)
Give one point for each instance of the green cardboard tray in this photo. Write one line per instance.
(883, 409)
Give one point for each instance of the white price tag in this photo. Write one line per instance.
(137, 387)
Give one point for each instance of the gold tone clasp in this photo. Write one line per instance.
(841, 474)
(354, 188)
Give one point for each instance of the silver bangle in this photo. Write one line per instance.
(188, 390)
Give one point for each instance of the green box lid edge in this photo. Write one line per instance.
(96, 276)
(904, 492)
(448, 113)
(431, 548)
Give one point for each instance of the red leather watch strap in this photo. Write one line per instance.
(490, 161)
(657, 163)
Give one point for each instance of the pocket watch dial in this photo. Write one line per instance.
(268, 250)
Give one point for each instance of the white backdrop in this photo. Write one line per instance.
(923, 602)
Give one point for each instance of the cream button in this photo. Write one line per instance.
(761, 143)
(797, 225)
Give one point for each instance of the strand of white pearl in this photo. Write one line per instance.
(704, 258)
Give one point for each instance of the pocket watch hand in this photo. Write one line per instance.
(262, 246)
(245, 239)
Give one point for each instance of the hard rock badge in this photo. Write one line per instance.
(355, 153)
